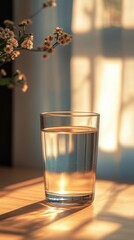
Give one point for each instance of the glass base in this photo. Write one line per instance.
(69, 200)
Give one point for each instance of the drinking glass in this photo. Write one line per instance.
(69, 148)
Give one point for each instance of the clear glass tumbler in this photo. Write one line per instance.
(69, 148)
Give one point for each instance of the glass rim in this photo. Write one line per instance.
(70, 113)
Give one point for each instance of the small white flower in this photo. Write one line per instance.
(28, 44)
(3, 35)
(8, 22)
(15, 54)
(25, 22)
(13, 42)
(8, 49)
(58, 30)
(31, 37)
(24, 87)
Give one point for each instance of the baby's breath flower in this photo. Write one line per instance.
(21, 79)
(58, 30)
(50, 3)
(8, 49)
(24, 87)
(14, 54)
(28, 44)
(3, 35)
(50, 37)
(64, 39)
(9, 33)
(45, 56)
(21, 76)
(30, 37)
(13, 42)
(17, 72)
(6, 30)
(25, 22)
(8, 22)
(47, 43)
(50, 50)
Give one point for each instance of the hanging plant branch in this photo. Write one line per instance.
(11, 45)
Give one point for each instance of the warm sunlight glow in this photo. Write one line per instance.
(63, 147)
(62, 183)
(107, 100)
(80, 83)
(97, 230)
(127, 116)
(51, 213)
(102, 71)
(50, 147)
(98, 20)
(115, 208)
(128, 13)
(81, 21)
(62, 144)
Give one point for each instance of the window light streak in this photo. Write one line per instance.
(51, 146)
(62, 149)
(97, 227)
(62, 183)
(98, 20)
(51, 213)
(115, 208)
(60, 227)
(63, 146)
(113, 94)
(70, 144)
(128, 13)
(107, 100)
(127, 116)
(56, 145)
(80, 83)
(81, 22)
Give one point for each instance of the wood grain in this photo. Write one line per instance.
(25, 215)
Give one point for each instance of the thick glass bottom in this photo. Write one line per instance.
(69, 200)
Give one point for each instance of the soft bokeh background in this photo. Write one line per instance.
(94, 73)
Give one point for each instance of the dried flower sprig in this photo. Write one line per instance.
(12, 44)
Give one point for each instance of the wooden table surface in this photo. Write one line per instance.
(24, 214)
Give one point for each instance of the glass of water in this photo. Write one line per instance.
(69, 148)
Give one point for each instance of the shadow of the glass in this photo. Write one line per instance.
(35, 217)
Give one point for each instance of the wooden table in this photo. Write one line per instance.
(24, 214)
